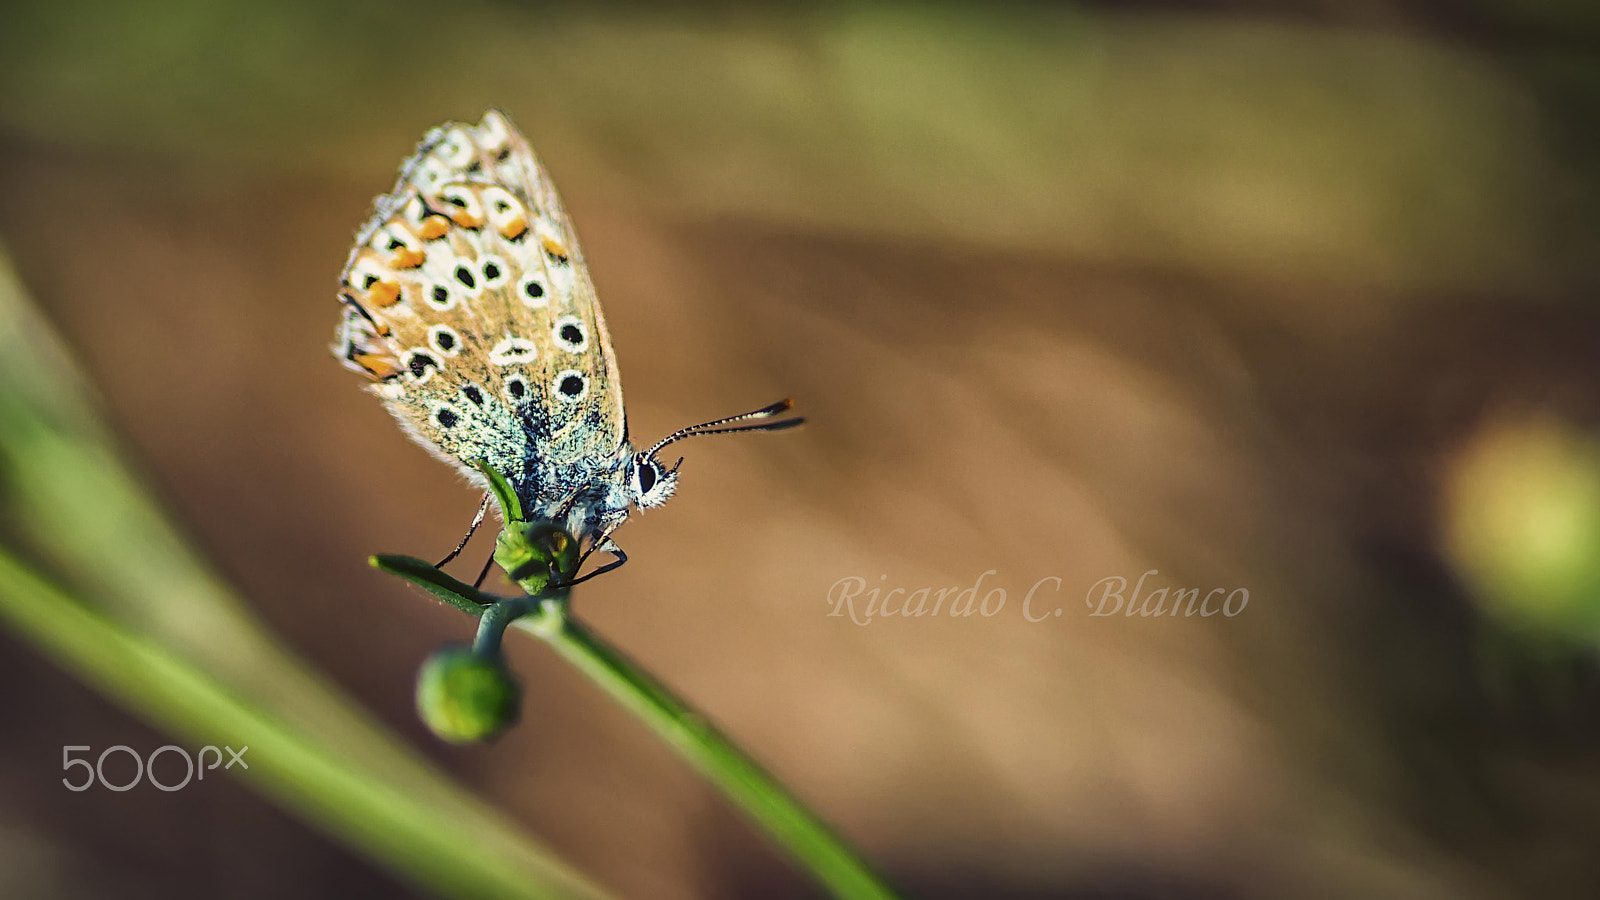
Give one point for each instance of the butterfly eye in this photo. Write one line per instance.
(651, 486)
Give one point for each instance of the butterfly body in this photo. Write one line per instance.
(470, 309)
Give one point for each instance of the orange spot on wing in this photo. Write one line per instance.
(406, 258)
(378, 366)
(466, 218)
(554, 246)
(517, 225)
(433, 227)
(384, 293)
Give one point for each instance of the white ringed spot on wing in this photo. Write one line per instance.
(421, 363)
(513, 350)
(439, 296)
(516, 388)
(533, 290)
(570, 334)
(446, 416)
(570, 386)
(444, 339)
(494, 270)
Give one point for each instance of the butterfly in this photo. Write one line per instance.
(468, 306)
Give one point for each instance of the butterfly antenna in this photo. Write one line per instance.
(727, 426)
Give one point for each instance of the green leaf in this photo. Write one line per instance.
(510, 506)
(427, 576)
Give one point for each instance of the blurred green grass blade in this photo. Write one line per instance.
(139, 615)
(321, 783)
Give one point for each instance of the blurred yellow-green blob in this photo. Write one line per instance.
(465, 698)
(1523, 525)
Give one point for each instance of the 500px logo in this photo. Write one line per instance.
(195, 766)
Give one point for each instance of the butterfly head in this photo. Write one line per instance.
(650, 483)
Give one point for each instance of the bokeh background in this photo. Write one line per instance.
(1295, 297)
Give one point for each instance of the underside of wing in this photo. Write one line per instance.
(469, 307)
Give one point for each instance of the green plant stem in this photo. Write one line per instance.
(785, 819)
(494, 622)
(746, 783)
(540, 552)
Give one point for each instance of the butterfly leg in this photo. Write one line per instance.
(609, 546)
(476, 521)
(484, 573)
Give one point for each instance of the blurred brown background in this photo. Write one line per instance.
(1293, 298)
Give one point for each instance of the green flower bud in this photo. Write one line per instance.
(535, 553)
(465, 698)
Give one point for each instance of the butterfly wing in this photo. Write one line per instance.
(469, 306)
